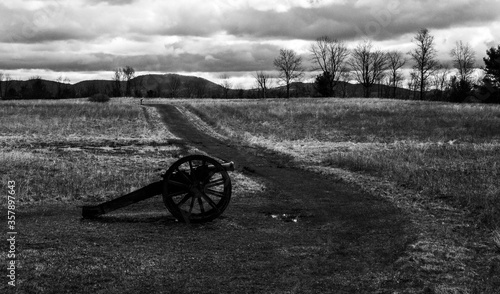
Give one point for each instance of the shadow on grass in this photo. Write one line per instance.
(141, 217)
(138, 217)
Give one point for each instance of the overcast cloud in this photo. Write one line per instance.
(92, 37)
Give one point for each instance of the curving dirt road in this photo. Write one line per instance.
(365, 235)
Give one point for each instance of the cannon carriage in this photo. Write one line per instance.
(195, 189)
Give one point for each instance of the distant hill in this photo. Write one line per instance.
(172, 85)
(168, 85)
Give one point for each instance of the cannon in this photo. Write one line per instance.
(195, 189)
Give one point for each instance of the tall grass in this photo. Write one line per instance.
(68, 175)
(444, 151)
(66, 121)
(34, 151)
(468, 174)
(358, 120)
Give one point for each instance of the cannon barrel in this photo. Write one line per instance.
(228, 166)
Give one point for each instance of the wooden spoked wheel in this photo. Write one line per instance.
(196, 189)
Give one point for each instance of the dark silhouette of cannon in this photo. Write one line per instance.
(195, 189)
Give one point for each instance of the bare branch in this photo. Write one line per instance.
(368, 65)
(329, 56)
(464, 60)
(424, 57)
(290, 68)
(395, 61)
(263, 82)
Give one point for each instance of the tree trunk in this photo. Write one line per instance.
(367, 91)
(422, 86)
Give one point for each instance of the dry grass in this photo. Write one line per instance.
(430, 159)
(141, 250)
(467, 173)
(68, 174)
(443, 151)
(356, 120)
(75, 150)
(43, 121)
(80, 151)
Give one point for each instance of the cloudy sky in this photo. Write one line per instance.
(87, 39)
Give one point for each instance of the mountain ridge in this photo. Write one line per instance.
(170, 86)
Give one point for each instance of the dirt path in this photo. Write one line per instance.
(365, 235)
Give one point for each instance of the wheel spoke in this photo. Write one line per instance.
(177, 193)
(184, 175)
(191, 205)
(196, 189)
(210, 174)
(178, 184)
(210, 201)
(202, 209)
(184, 199)
(191, 168)
(216, 193)
(218, 182)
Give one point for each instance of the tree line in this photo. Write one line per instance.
(371, 68)
(377, 72)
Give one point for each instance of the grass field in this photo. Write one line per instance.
(64, 153)
(80, 151)
(77, 120)
(444, 151)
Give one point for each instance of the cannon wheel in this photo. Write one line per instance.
(196, 189)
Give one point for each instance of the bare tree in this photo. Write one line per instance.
(128, 74)
(440, 78)
(289, 66)
(464, 60)
(225, 84)
(368, 65)
(414, 83)
(329, 56)
(395, 61)
(263, 81)
(175, 85)
(117, 82)
(425, 58)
